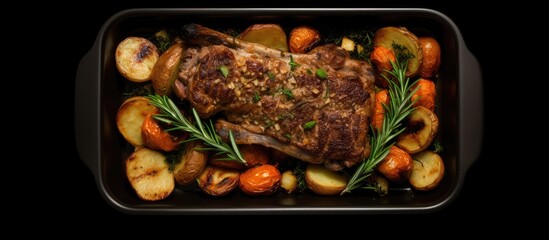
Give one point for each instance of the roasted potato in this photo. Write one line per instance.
(324, 181)
(386, 36)
(431, 57)
(396, 166)
(166, 69)
(427, 172)
(218, 181)
(260, 180)
(149, 174)
(288, 181)
(192, 162)
(348, 44)
(135, 58)
(130, 118)
(421, 129)
(303, 38)
(269, 35)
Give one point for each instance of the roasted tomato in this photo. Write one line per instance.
(425, 94)
(396, 166)
(382, 97)
(155, 137)
(260, 180)
(303, 39)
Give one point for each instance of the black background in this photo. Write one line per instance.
(73, 194)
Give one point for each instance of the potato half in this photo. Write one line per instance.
(427, 172)
(386, 36)
(269, 35)
(324, 181)
(149, 174)
(135, 58)
(218, 181)
(421, 129)
(130, 118)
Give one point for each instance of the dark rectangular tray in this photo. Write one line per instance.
(103, 150)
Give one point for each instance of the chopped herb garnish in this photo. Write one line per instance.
(287, 135)
(271, 76)
(224, 71)
(256, 97)
(309, 125)
(321, 73)
(288, 93)
(309, 71)
(293, 64)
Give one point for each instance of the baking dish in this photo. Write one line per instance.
(103, 150)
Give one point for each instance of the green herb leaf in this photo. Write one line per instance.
(256, 97)
(170, 114)
(293, 64)
(321, 73)
(309, 125)
(271, 76)
(309, 71)
(288, 93)
(287, 135)
(224, 71)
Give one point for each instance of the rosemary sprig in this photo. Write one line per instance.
(170, 114)
(399, 107)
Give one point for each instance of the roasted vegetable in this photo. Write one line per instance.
(130, 118)
(288, 181)
(348, 44)
(421, 129)
(149, 174)
(427, 172)
(166, 69)
(389, 37)
(431, 57)
(135, 58)
(192, 162)
(382, 57)
(154, 137)
(382, 98)
(269, 35)
(260, 180)
(396, 166)
(425, 94)
(218, 181)
(254, 154)
(303, 38)
(324, 181)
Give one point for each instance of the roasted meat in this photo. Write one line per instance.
(315, 106)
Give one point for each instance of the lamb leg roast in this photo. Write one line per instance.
(315, 106)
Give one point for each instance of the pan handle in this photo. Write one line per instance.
(471, 119)
(86, 109)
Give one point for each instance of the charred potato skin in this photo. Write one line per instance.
(192, 163)
(218, 181)
(431, 57)
(165, 71)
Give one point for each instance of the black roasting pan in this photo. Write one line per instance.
(99, 87)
